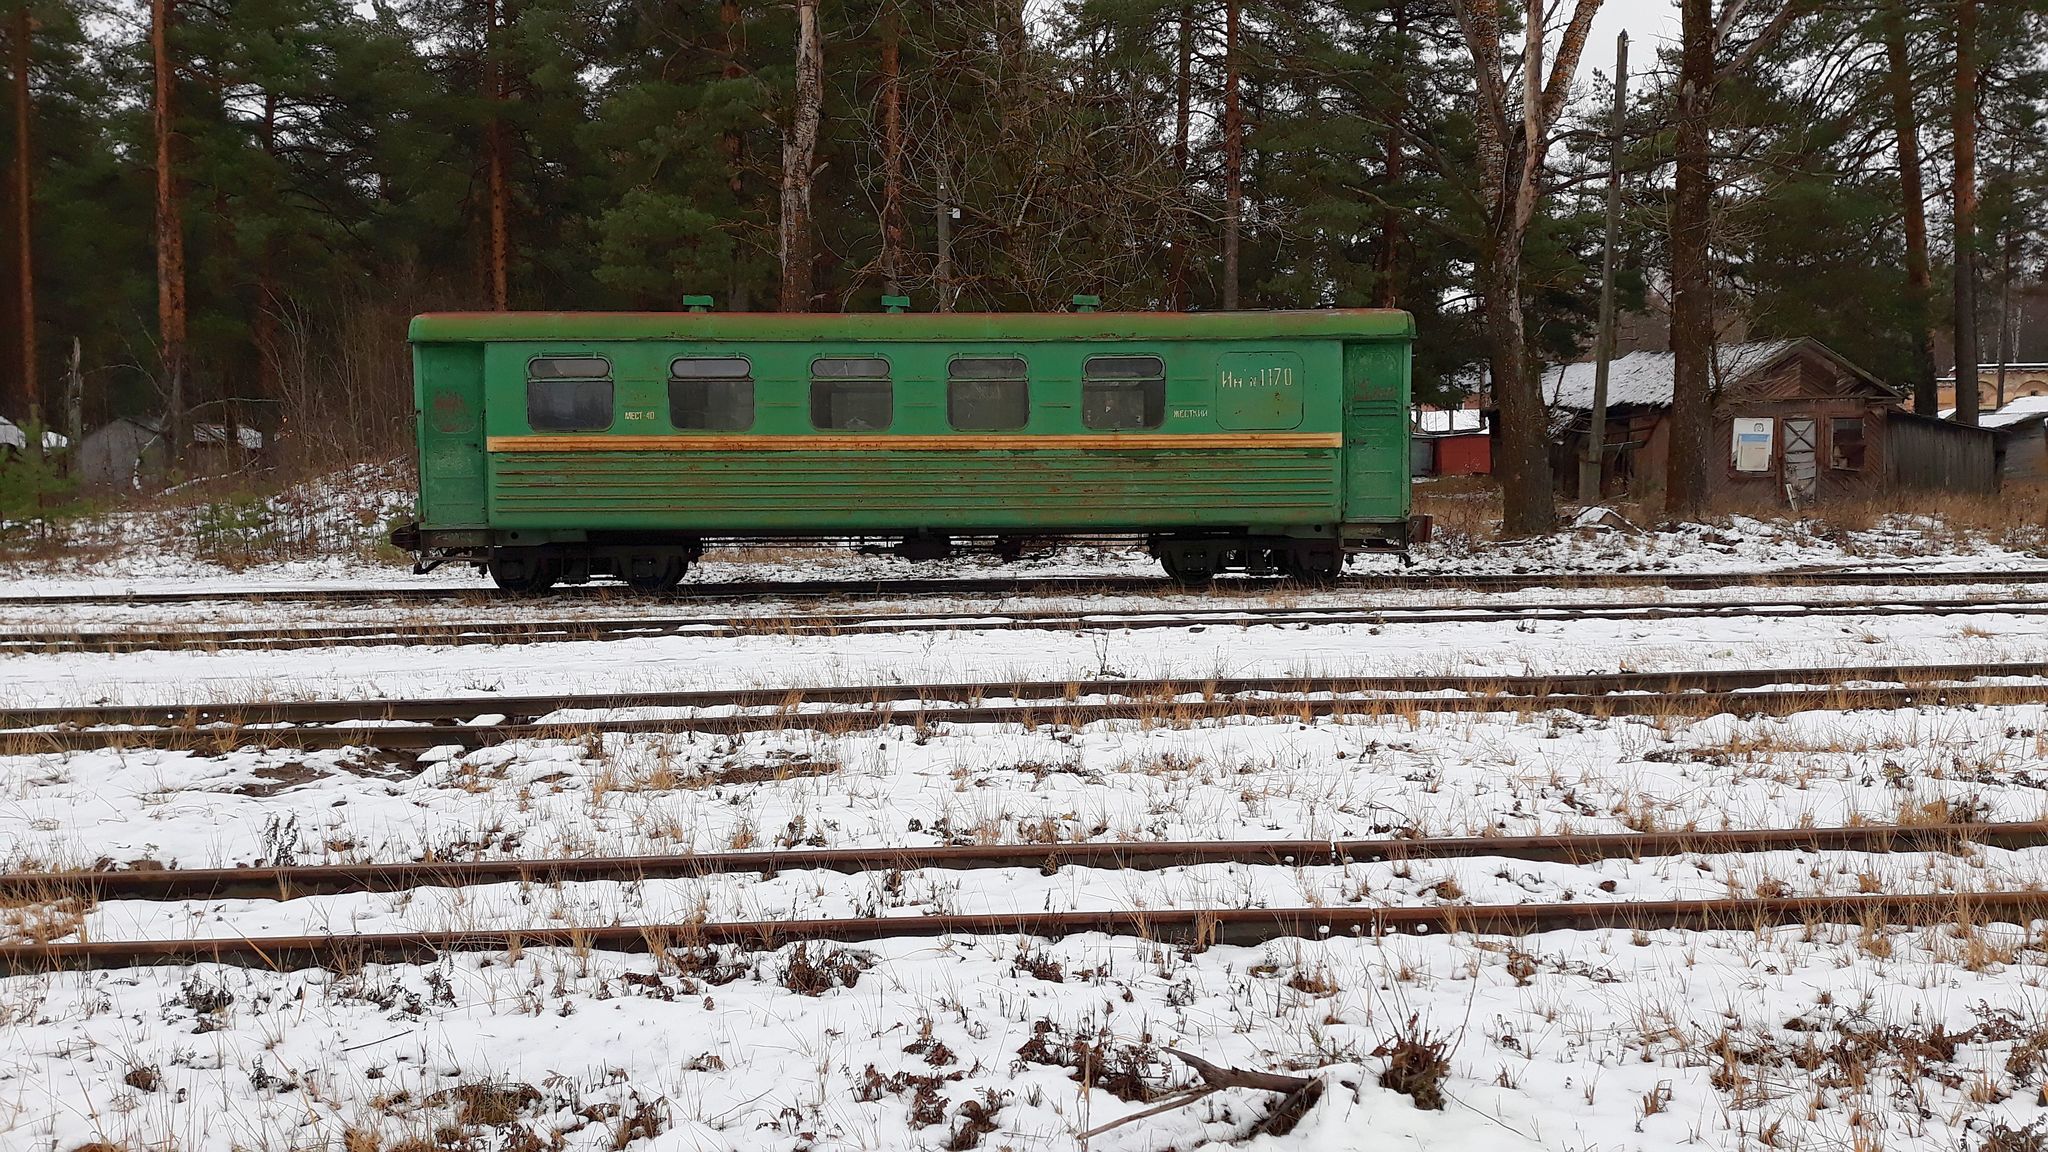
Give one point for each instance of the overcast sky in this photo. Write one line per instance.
(1649, 24)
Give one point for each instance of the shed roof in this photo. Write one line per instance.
(12, 436)
(2016, 411)
(1645, 378)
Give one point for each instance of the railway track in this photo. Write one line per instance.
(479, 721)
(499, 632)
(1194, 927)
(1039, 586)
(289, 882)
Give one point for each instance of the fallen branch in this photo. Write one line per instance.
(1217, 1076)
(1301, 1091)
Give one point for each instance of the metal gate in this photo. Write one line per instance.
(1802, 451)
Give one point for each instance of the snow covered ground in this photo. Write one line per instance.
(1873, 1036)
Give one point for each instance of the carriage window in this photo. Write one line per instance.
(711, 393)
(851, 394)
(987, 394)
(569, 394)
(1119, 392)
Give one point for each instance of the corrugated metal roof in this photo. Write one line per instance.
(2015, 411)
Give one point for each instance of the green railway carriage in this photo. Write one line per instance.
(561, 446)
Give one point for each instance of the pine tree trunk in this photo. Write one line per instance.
(1528, 505)
(170, 236)
(499, 192)
(1233, 154)
(799, 150)
(1386, 288)
(732, 142)
(1965, 132)
(892, 151)
(1912, 197)
(1692, 305)
(1183, 89)
(24, 198)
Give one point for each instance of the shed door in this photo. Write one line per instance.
(1801, 456)
(1258, 391)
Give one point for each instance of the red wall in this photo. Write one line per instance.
(1464, 455)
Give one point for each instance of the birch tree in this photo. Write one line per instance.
(1517, 109)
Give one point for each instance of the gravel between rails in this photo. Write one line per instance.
(275, 882)
(526, 708)
(1028, 716)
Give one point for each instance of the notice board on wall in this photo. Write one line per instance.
(1753, 444)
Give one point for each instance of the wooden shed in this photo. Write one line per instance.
(1796, 424)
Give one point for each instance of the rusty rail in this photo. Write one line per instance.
(271, 882)
(1047, 586)
(1186, 927)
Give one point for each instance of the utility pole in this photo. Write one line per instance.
(74, 404)
(944, 220)
(1596, 435)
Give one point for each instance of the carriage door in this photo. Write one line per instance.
(1376, 431)
(1801, 453)
(1258, 391)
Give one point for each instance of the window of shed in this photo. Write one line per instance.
(851, 394)
(1123, 392)
(987, 394)
(569, 394)
(711, 393)
(1845, 444)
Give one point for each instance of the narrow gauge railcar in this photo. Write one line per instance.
(562, 446)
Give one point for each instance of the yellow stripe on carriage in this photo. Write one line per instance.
(961, 442)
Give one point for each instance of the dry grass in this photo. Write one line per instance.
(1922, 522)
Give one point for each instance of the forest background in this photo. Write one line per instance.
(226, 210)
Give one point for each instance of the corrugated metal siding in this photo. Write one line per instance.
(842, 491)
(1935, 455)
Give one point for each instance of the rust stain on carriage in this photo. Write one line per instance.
(963, 442)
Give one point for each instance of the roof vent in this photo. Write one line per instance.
(895, 303)
(1087, 303)
(697, 303)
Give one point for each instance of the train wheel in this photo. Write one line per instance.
(655, 575)
(1312, 563)
(523, 572)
